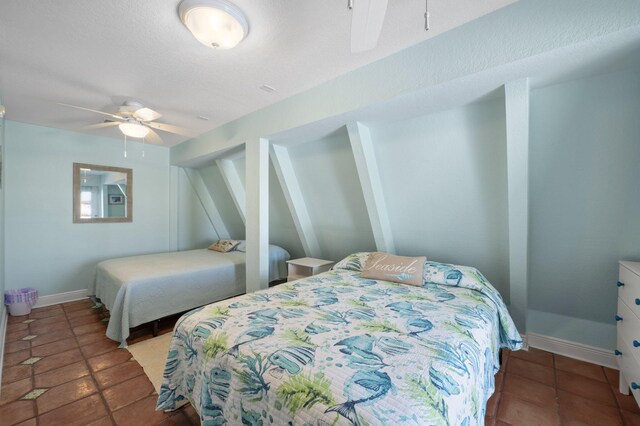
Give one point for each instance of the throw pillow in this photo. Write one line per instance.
(399, 269)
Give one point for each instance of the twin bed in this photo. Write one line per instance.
(337, 348)
(140, 289)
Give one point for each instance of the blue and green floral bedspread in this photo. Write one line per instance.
(339, 349)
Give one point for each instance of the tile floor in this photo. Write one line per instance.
(540, 388)
(59, 368)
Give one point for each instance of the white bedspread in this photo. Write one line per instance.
(139, 289)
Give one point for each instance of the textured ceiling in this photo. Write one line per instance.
(618, 52)
(97, 53)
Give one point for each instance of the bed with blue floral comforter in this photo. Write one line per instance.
(339, 349)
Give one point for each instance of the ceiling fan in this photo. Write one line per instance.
(134, 120)
(366, 22)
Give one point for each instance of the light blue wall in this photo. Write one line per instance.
(2, 238)
(46, 249)
(212, 177)
(327, 175)
(282, 229)
(444, 181)
(585, 195)
(450, 169)
(195, 230)
(327, 169)
(584, 331)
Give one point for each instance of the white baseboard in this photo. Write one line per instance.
(54, 299)
(591, 354)
(3, 334)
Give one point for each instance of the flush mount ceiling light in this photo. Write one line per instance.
(134, 130)
(214, 23)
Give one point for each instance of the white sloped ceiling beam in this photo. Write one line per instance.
(234, 185)
(257, 178)
(367, 166)
(517, 124)
(174, 201)
(209, 206)
(295, 201)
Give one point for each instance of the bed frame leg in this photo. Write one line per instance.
(155, 328)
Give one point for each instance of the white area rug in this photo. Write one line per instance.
(151, 355)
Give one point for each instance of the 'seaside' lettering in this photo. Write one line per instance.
(409, 269)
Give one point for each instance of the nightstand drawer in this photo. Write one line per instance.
(629, 368)
(629, 289)
(629, 330)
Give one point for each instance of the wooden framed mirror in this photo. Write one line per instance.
(102, 194)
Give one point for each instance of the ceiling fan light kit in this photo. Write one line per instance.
(134, 130)
(135, 121)
(366, 23)
(215, 23)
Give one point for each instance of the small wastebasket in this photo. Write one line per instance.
(20, 300)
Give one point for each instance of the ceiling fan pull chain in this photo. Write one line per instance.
(143, 139)
(426, 15)
(125, 146)
(350, 4)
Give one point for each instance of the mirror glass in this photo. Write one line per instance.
(102, 193)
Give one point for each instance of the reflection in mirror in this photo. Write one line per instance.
(101, 193)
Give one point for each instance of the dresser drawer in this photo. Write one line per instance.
(629, 367)
(629, 329)
(629, 289)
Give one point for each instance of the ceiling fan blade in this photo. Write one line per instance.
(146, 114)
(152, 137)
(171, 129)
(366, 23)
(91, 110)
(101, 125)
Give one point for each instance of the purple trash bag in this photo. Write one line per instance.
(28, 296)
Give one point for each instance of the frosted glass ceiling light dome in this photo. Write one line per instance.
(134, 130)
(214, 23)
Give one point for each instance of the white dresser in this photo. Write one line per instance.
(628, 319)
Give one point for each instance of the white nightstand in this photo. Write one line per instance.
(306, 267)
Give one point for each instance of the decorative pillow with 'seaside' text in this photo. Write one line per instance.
(399, 269)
